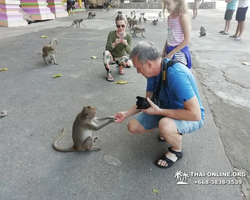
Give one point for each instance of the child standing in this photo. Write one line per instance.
(176, 46)
(231, 6)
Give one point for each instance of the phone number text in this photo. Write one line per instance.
(218, 182)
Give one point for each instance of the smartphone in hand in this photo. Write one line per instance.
(121, 35)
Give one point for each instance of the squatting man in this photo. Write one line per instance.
(179, 109)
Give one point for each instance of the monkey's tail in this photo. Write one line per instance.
(55, 144)
(53, 40)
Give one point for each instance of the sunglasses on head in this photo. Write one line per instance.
(118, 26)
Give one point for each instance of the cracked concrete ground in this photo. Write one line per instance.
(217, 64)
(226, 85)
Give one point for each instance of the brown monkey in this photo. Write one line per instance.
(155, 22)
(202, 31)
(118, 13)
(91, 15)
(77, 21)
(132, 23)
(49, 51)
(82, 128)
(136, 30)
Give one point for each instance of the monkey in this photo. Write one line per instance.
(128, 18)
(159, 15)
(49, 51)
(91, 15)
(84, 124)
(118, 13)
(136, 30)
(3, 113)
(155, 22)
(131, 14)
(202, 31)
(142, 14)
(132, 22)
(77, 21)
(144, 19)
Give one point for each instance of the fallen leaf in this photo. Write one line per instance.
(121, 82)
(58, 75)
(156, 191)
(4, 69)
(44, 36)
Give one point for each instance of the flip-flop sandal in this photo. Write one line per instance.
(221, 32)
(232, 36)
(170, 163)
(120, 71)
(109, 78)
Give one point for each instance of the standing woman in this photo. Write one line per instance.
(117, 47)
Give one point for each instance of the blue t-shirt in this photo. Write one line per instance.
(181, 87)
(232, 5)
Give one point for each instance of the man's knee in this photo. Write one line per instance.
(134, 126)
(167, 126)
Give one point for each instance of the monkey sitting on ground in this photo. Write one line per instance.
(83, 126)
(155, 22)
(159, 15)
(49, 51)
(136, 30)
(202, 31)
(77, 21)
(91, 15)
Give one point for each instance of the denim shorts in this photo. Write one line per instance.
(183, 127)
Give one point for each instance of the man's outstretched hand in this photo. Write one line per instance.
(119, 117)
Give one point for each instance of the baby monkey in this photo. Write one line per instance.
(83, 126)
(136, 30)
(77, 21)
(49, 51)
(202, 31)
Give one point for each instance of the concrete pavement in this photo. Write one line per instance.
(39, 106)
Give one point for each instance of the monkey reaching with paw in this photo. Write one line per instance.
(49, 51)
(202, 31)
(77, 21)
(83, 126)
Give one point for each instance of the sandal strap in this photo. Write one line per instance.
(178, 154)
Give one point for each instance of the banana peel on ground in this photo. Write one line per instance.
(121, 82)
(4, 69)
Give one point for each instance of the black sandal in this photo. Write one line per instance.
(170, 163)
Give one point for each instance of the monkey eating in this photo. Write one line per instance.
(136, 30)
(83, 126)
(49, 51)
(91, 15)
(77, 21)
(202, 31)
